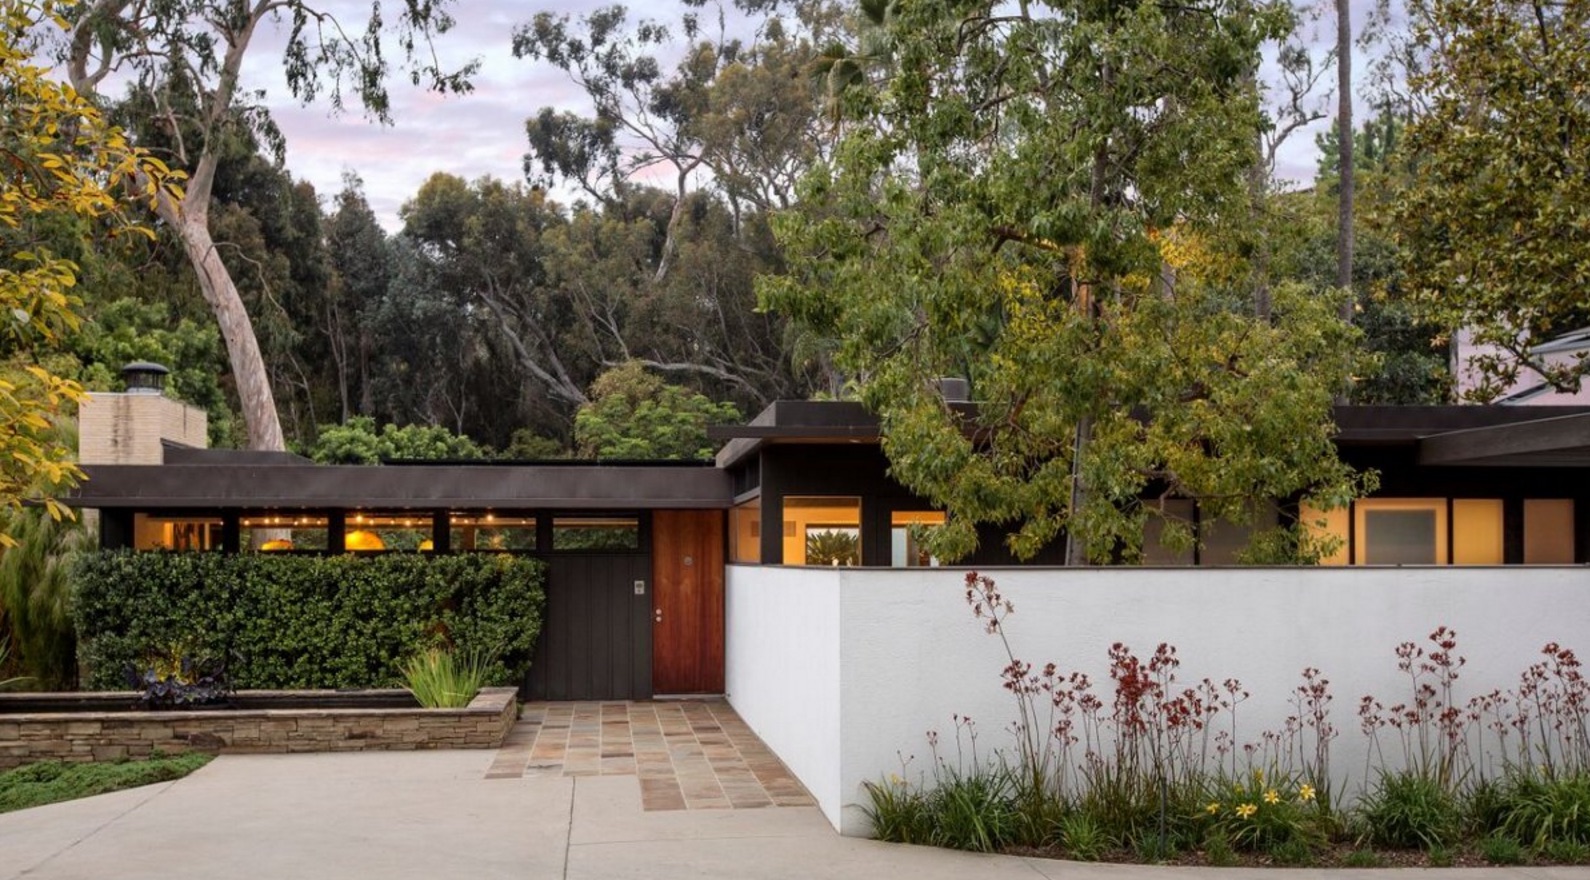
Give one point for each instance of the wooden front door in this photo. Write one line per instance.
(687, 602)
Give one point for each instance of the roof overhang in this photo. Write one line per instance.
(1561, 441)
(313, 486)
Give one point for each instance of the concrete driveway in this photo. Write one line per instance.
(437, 815)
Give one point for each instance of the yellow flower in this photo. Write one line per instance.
(1272, 797)
(1247, 810)
(1306, 792)
(1213, 808)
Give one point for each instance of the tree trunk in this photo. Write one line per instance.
(1076, 549)
(242, 348)
(1344, 145)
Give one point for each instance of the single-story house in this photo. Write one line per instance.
(638, 551)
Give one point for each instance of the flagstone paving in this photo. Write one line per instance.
(688, 754)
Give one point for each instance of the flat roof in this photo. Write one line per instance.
(810, 422)
(314, 486)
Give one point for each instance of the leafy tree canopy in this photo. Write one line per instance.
(1494, 224)
(635, 415)
(359, 442)
(65, 168)
(1051, 201)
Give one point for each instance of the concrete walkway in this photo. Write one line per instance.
(436, 815)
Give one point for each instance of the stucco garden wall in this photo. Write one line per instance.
(909, 655)
(783, 654)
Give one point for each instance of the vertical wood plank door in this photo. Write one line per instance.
(687, 602)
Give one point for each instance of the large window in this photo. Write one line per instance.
(408, 531)
(491, 532)
(904, 528)
(822, 530)
(1477, 531)
(278, 532)
(745, 532)
(1413, 531)
(1548, 531)
(1400, 531)
(176, 533)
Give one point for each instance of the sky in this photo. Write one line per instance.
(482, 133)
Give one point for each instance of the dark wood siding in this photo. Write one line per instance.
(596, 637)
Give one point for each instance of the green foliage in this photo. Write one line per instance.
(1363, 858)
(1567, 852)
(67, 170)
(1258, 814)
(49, 782)
(35, 595)
(1408, 810)
(1084, 268)
(129, 329)
(5, 657)
(633, 414)
(1541, 812)
(898, 812)
(1083, 838)
(830, 547)
(973, 810)
(304, 621)
(441, 679)
(1499, 849)
(358, 442)
(527, 445)
(1492, 226)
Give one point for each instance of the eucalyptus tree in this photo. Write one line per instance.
(189, 54)
(1052, 200)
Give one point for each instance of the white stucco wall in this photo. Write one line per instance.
(910, 654)
(782, 669)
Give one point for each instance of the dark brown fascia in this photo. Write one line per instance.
(1562, 441)
(591, 487)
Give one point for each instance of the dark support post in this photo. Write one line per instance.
(441, 532)
(115, 529)
(336, 531)
(1512, 531)
(875, 531)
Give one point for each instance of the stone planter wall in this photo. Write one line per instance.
(111, 735)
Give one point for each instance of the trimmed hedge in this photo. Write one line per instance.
(304, 621)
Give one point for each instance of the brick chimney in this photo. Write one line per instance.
(127, 427)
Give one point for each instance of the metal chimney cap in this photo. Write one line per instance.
(145, 377)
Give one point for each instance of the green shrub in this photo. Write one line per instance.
(306, 621)
(1083, 838)
(1218, 850)
(973, 811)
(898, 812)
(1410, 811)
(48, 782)
(442, 680)
(1363, 858)
(1259, 814)
(1499, 849)
(1567, 852)
(1292, 854)
(1540, 812)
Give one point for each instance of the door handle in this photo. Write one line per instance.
(658, 615)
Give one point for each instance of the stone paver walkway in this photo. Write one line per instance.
(688, 755)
